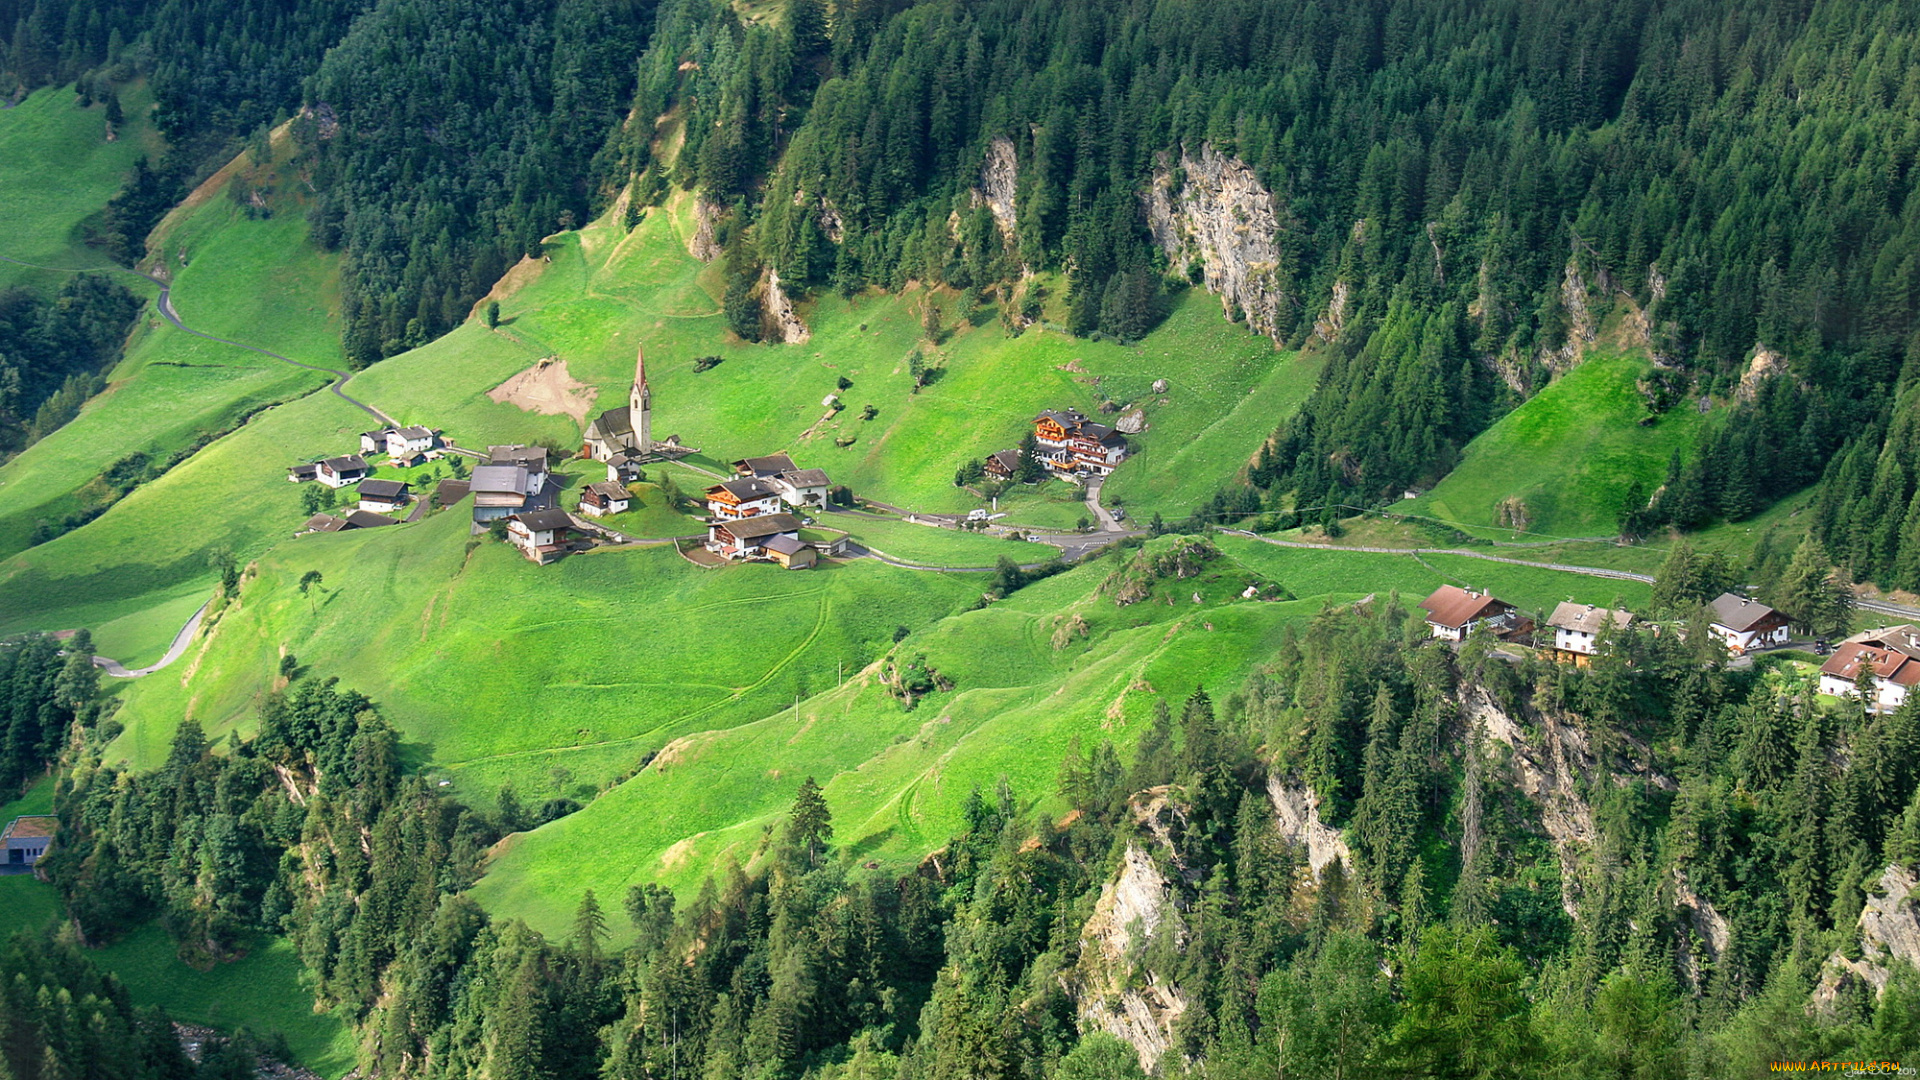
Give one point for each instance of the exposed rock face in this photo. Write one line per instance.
(703, 246)
(1298, 812)
(999, 176)
(1333, 321)
(786, 325)
(1548, 772)
(1131, 422)
(1710, 928)
(1764, 365)
(1139, 1011)
(1580, 331)
(1223, 217)
(1889, 935)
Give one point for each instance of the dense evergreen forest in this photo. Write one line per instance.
(1462, 935)
(1461, 189)
(54, 352)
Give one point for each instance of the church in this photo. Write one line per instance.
(629, 427)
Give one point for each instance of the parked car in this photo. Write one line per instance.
(1821, 648)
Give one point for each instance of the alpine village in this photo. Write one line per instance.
(959, 539)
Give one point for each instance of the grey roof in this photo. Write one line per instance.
(785, 545)
(415, 432)
(752, 528)
(746, 489)
(324, 523)
(540, 520)
(534, 457)
(626, 455)
(500, 478)
(306, 471)
(806, 477)
(612, 423)
(1739, 614)
(1066, 418)
(607, 489)
(378, 434)
(367, 519)
(382, 489)
(1586, 618)
(346, 463)
(770, 465)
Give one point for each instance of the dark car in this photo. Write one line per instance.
(1821, 648)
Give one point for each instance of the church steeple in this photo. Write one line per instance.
(640, 404)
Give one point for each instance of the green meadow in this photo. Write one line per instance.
(262, 991)
(48, 133)
(1569, 454)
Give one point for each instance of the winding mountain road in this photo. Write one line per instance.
(180, 642)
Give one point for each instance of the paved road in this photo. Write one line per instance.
(180, 642)
(1590, 571)
(165, 304)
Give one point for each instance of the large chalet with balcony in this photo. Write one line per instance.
(1074, 447)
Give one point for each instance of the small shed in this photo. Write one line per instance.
(791, 552)
(28, 839)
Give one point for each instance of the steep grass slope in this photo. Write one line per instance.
(56, 170)
(1024, 688)
(1568, 456)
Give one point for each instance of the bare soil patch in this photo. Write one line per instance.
(549, 389)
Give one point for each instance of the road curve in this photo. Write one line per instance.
(167, 312)
(180, 642)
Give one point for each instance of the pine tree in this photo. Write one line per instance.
(589, 927)
(809, 823)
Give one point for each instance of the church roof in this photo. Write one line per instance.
(612, 423)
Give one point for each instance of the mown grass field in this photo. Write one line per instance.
(249, 280)
(262, 991)
(49, 135)
(1569, 454)
(496, 670)
(1024, 690)
(926, 545)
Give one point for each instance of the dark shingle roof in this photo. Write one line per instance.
(764, 525)
(540, 520)
(382, 489)
(1740, 614)
(415, 432)
(367, 519)
(785, 545)
(533, 457)
(612, 423)
(744, 489)
(607, 489)
(346, 463)
(324, 523)
(770, 465)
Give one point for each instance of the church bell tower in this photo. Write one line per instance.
(640, 405)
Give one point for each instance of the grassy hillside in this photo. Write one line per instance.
(496, 670)
(607, 292)
(261, 991)
(56, 170)
(1569, 454)
(896, 779)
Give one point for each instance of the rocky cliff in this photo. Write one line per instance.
(999, 176)
(1112, 990)
(1889, 935)
(1298, 813)
(784, 325)
(1212, 210)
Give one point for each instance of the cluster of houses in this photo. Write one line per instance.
(403, 446)
(27, 840)
(1070, 446)
(752, 516)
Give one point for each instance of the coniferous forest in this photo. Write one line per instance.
(1674, 890)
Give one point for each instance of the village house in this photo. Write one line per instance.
(603, 498)
(1453, 612)
(1003, 464)
(742, 499)
(28, 839)
(357, 519)
(802, 489)
(301, 474)
(746, 538)
(338, 472)
(792, 552)
(400, 443)
(1073, 446)
(500, 490)
(1745, 624)
(541, 535)
(383, 496)
(531, 458)
(761, 468)
(628, 427)
(623, 467)
(1891, 653)
(1578, 630)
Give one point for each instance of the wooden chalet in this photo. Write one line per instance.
(1003, 464)
(764, 467)
(742, 498)
(543, 535)
(746, 538)
(1747, 624)
(1578, 630)
(338, 472)
(603, 498)
(383, 496)
(1073, 446)
(1453, 613)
